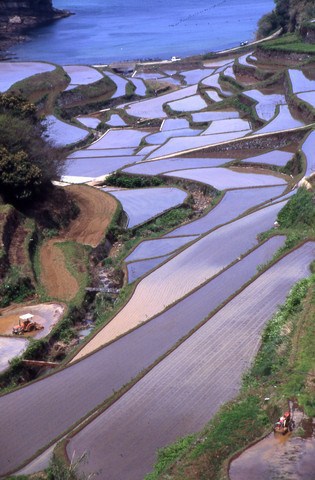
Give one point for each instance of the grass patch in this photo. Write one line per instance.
(77, 262)
(289, 42)
(33, 87)
(296, 220)
(134, 181)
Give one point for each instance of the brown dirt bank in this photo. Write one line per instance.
(96, 212)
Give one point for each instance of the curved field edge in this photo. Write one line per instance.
(247, 418)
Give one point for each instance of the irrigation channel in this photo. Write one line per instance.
(195, 287)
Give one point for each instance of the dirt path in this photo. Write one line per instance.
(96, 212)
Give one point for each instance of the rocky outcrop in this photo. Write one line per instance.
(16, 17)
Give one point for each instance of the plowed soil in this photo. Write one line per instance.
(96, 212)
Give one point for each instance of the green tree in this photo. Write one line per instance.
(28, 162)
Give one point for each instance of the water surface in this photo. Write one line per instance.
(105, 31)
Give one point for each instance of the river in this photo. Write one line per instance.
(102, 31)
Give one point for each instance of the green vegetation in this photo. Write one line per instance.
(166, 456)
(299, 211)
(27, 162)
(77, 262)
(103, 88)
(288, 15)
(289, 42)
(134, 181)
(296, 221)
(33, 87)
(15, 287)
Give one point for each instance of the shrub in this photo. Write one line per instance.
(298, 211)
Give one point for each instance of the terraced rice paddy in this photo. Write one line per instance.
(89, 121)
(266, 106)
(308, 149)
(115, 121)
(276, 157)
(153, 108)
(138, 269)
(142, 204)
(188, 104)
(210, 116)
(308, 97)
(186, 271)
(299, 82)
(222, 178)
(207, 362)
(86, 169)
(194, 76)
(155, 167)
(11, 72)
(213, 96)
(161, 137)
(120, 82)
(212, 81)
(102, 152)
(182, 144)
(233, 204)
(181, 278)
(82, 74)
(156, 248)
(10, 348)
(227, 125)
(119, 138)
(61, 133)
(140, 86)
(282, 121)
(128, 355)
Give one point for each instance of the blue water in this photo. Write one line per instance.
(103, 31)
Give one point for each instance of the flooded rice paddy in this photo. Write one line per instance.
(210, 116)
(227, 125)
(120, 82)
(299, 82)
(308, 149)
(276, 157)
(188, 104)
(142, 204)
(222, 178)
(156, 248)
(155, 167)
(89, 121)
(308, 97)
(61, 133)
(138, 269)
(82, 74)
(282, 121)
(11, 73)
(266, 107)
(163, 417)
(233, 204)
(161, 137)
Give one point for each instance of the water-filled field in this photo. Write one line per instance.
(11, 73)
(210, 353)
(222, 178)
(61, 133)
(300, 83)
(266, 106)
(82, 74)
(161, 166)
(142, 204)
(233, 204)
(282, 121)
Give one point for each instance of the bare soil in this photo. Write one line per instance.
(96, 212)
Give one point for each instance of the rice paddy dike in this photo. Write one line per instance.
(190, 176)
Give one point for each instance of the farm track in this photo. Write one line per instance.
(66, 395)
(183, 391)
(184, 272)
